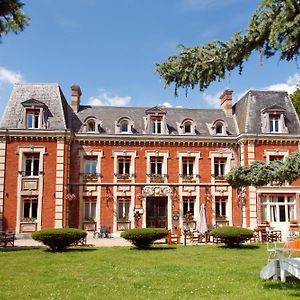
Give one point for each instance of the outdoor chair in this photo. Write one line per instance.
(173, 237)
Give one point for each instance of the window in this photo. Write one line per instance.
(219, 167)
(187, 127)
(33, 119)
(156, 125)
(278, 208)
(91, 126)
(90, 165)
(220, 208)
(124, 166)
(30, 209)
(89, 209)
(31, 165)
(188, 206)
(187, 166)
(124, 126)
(274, 123)
(219, 128)
(275, 157)
(156, 165)
(123, 209)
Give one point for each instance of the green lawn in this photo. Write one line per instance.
(192, 272)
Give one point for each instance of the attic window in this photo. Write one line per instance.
(156, 124)
(273, 120)
(187, 127)
(91, 126)
(124, 126)
(33, 118)
(219, 128)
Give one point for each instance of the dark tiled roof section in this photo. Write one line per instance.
(47, 93)
(108, 115)
(248, 110)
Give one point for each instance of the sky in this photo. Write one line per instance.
(110, 49)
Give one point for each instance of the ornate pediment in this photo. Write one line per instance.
(33, 103)
(156, 110)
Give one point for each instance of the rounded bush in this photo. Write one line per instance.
(59, 239)
(144, 237)
(232, 236)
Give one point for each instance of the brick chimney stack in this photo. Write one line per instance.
(226, 102)
(75, 94)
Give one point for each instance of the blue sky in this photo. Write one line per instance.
(110, 49)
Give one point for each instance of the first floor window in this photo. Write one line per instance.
(219, 166)
(90, 209)
(278, 208)
(188, 206)
(124, 165)
(220, 208)
(123, 209)
(30, 209)
(187, 166)
(31, 165)
(156, 165)
(90, 165)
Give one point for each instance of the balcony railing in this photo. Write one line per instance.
(157, 178)
(90, 176)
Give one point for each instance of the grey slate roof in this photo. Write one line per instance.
(49, 94)
(108, 115)
(249, 108)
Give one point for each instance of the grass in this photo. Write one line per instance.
(193, 272)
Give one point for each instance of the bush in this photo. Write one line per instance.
(59, 239)
(232, 236)
(144, 237)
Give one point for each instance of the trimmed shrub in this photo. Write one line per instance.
(144, 237)
(60, 238)
(232, 236)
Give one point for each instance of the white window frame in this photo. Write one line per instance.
(35, 115)
(162, 154)
(32, 158)
(90, 206)
(90, 162)
(31, 200)
(124, 203)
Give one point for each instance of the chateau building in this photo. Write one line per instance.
(73, 165)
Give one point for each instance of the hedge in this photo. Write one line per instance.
(144, 237)
(60, 238)
(232, 236)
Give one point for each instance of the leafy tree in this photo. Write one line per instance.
(12, 17)
(295, 97)
(260, 173)
(274, 27)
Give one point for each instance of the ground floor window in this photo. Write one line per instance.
(278, 208)
(220, 208)
(30, 209)
(123, 209)
(188, 206)
(90, 209)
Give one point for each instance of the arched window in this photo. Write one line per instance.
(124, 126)
(187, 127)
(91, 126)
(219, 128)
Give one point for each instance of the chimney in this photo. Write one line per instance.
(226, 102)
(75, 93)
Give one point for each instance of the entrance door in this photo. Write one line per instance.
(156, 212)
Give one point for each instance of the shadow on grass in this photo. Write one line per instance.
(159, 248)
(241, 247)
(291, 283)
(77, 249)
(20, 248)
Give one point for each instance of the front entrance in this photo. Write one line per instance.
(156, 212)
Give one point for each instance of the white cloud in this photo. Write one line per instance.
(290, 85)
(168, 104)
(9, 76)
(213, 100)
(104, 99)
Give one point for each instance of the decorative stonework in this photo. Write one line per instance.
(156, 191)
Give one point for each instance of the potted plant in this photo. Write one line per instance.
(294, 225)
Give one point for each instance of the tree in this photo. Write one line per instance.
(12, 17)
(295, 97)
(274, 27)
(260, 173)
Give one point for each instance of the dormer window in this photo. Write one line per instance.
(187, 127)
(91, 126)
(273, 120)
(34, 116)
(124, 125)
(219, 128)
(32, 119)
(155, 121)
(156, 124)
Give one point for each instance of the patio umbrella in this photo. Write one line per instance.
(202, 227)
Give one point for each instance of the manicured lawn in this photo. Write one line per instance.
(193, 272)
